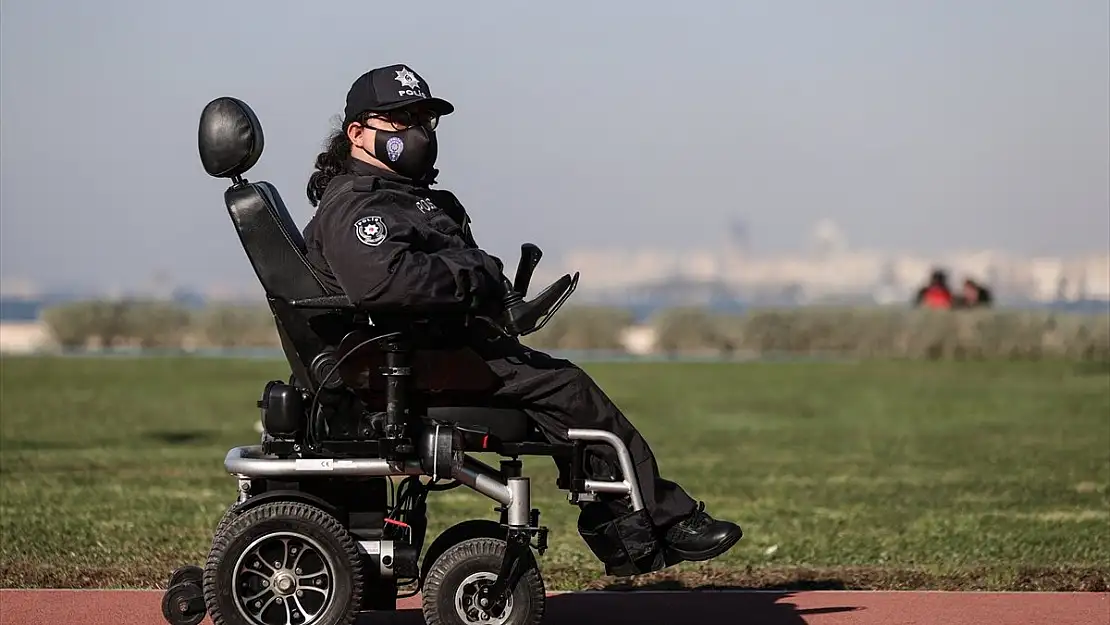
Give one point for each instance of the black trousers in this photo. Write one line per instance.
(558, 395)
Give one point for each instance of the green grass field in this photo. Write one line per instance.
(874, 475)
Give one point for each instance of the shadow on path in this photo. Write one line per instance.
(682, 607)
(650, 606)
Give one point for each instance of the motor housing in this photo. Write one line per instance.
(442, 449)
(283, 409)
(389, 559)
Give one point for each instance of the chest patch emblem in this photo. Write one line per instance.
(371, 230)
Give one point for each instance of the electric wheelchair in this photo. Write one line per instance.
(319, 531)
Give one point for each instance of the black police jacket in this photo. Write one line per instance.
(388, 243)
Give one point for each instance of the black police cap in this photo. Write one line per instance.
(389, 88)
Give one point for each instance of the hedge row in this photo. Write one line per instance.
(890, 333)
(853, 332)
(153, 324)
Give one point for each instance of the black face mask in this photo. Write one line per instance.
(410, 152)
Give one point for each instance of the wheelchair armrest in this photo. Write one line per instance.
(523, 318)
(327, 301)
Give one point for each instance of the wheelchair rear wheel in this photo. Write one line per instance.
(450, 590)
(281, 563)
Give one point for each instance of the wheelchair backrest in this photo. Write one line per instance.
(230, 139)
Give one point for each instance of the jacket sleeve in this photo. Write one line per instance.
(374, 250)
(456, 211)
(468, 233)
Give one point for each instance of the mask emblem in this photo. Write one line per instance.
(394, 147)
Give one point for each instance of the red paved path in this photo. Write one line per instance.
(79, 607)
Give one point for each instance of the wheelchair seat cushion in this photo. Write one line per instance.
(507, 424)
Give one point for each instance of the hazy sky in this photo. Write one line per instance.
(914, 124)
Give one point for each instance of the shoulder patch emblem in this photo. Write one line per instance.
(371, 230)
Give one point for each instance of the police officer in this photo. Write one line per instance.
(386, 239)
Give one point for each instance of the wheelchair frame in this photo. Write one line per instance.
(341, 470)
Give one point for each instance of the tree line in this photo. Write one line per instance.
(875, 332)
(158, 325)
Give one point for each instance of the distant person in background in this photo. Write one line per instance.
(936, 294)
(974, 295)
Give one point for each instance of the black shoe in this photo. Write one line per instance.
(700, 537)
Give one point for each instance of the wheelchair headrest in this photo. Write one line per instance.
(230, 138)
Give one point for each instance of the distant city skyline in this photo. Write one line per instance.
(916, 126)
(240, 277)
(828, 265)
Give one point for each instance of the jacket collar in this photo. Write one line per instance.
(362, 168)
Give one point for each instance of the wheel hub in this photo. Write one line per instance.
(474, 609)
(283, 578)
(284, 583)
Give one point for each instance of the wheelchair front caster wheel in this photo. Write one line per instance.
(283, 563)
(451, 590)
(183, 604)
(190, 573)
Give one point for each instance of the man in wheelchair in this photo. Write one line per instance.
(383, 237)
(401, 336)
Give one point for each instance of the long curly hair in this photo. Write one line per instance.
(332, 161)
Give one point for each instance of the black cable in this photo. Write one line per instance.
(310, 435)
(404, 494)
